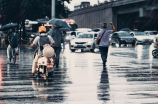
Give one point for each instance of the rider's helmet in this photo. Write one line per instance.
(42, 29)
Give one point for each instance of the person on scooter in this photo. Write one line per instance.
(41, 40)
(13, 43)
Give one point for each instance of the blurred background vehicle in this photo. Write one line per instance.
(96, 29)
(141, 37)
(152, 34)
(86, 40)
(84, 29)
(126, 29)
(122, 37)
(72, 34)
(155, 51)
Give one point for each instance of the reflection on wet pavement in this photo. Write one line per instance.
(131, 77)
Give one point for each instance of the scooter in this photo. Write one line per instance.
(155, 51)
(45, 63)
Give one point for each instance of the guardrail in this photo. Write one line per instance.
(103, 6)
(125, 2)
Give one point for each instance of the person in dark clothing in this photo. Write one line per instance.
(13, 43)
(104, 43)
(56, 34)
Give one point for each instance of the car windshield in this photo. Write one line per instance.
(73, 33)
(85, 36)
(78, 33)
(140, 34)
(153, 33)
(123, 34)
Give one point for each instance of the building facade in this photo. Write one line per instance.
(133, 14)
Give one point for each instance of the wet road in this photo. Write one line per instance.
(131, 77)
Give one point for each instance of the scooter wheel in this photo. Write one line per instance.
(49, 75)
(154, 53)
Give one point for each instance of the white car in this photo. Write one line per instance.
(71, 35)
(84, 29)
(152, 34)
(86, 40)
(141, 37)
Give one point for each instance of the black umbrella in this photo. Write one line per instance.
(8, 26)
(59, 23)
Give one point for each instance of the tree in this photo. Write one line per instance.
(18, 11)
(61, 10)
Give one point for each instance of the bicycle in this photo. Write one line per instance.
(13, 55)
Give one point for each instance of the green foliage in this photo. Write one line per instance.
(19, 10)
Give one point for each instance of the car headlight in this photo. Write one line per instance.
(72, 42)
(89, 42)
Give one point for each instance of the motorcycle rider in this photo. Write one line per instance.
(41, 40)
(13, 43)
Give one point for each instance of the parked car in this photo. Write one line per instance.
(152, 34)
(86, 40)
(84, 29)
(71, 35)
(96, 29)
(122, 37)
(126, 29)
(141, 37)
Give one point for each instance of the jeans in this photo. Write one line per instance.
(104, 53)
(64, 43)
(57, 55)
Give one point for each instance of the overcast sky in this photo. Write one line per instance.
(75, 2)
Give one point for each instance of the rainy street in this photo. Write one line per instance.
(131, 77)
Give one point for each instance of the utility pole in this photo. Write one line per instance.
(98, 1)
(53, 9)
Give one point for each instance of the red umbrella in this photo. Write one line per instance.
(69, 21)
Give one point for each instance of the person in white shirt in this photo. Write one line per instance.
(104, 43)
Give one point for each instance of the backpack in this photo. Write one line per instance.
(14, 41)
(42, 41)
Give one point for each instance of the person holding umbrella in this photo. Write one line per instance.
(56, 34)
(58, 27)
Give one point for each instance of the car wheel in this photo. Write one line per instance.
(134, 43)
(93, 48)
(154, 53)
(72, 50)
(81, 50)
(69, 46)
(119, 43)
(112, 43)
